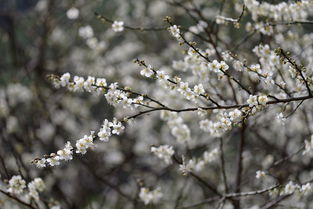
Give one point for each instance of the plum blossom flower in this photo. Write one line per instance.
(198, 89)
(16, 185)
(164, 152)
(174, 30)
(260, 174)
(84, 143)
(85, 32)
(118, 26)
(35, 186)
(147, 71)
(72, 13)
(308, 146)
(150, 196)
(117, 126)
(105, 131)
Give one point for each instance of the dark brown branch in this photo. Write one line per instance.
(221, 106)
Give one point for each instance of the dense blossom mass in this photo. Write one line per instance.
(156, 104)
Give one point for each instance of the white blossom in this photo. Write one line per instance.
(79, 83)
(84, 143)
(105, 131)
(235, 115)
(162, 75)
(263, 100)
(174, 30)
(306, 189)
(117, 126)
(308, 146)
(198, 89)
(85, 32)
(260, 174)
(16, 185)
(150, 196)
(89, 84)
(118, 26)
(164, 152)
(253, 100)
(53, 160)
(41, 163)
(72, 13)
(181, 132)
(186, 167)
(147, 71)
(64, 79)
(66, 153)
(214, 66)
(211, 156)
(35, 186)
(290, 188)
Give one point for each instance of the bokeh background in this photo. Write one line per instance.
(37, 38)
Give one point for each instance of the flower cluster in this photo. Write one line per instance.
(200, 66)
(105, 131)
(72, 13)
(35, 186)
(280, 12)
(87, 33)
(64, 154)
(164, 152)
(197, 165)
(225, 121)
(17, 186)
(200, 27)
(178, 129)
(150, 196)
(175, 83)
(118, 26)
(175, 32)
(147, 71)
(113, 94)
(183, 88)
(291, 188)
(82, 145)
(188, 93)
(218, 67)
(257, 100)
(269, 62)
(260, 27)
